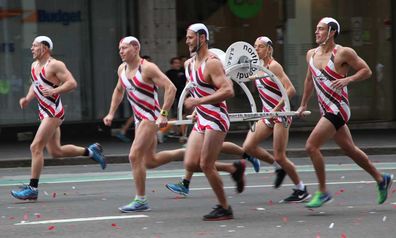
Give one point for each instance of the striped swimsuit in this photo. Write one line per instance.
(142, 96)
(50, 106)
(209, 116)
(331, 100)
(270, 96)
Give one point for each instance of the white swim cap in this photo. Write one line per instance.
(199, 27)
(45, 40)
(265, 39)
(130, 39)
(332, 23)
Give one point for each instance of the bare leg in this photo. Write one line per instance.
(322, 132)
(45, 133)
(253, 139)
(56, 150)
(344, 139)
(281, 137)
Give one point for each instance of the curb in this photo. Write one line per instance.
(123, 158)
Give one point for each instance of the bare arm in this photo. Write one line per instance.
(308, 87)
(349, 57)
(68, 83)
(277, 69)
(116, 99)
(162, 81)
(24, 101)
(214, 70)
(154, 74)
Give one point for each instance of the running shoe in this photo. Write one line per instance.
(122, 137)
(97, 154)
(239, 175)
(135, 206)
(219, 213)
(298, 196)
(280, 176)
(319, 199)
(255, 163)
(178, 188)
(26, 192)
(384, 187)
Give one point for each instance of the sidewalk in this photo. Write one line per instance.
(372, 141)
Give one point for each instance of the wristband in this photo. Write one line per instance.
(164, 113)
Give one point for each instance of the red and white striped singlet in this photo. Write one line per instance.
(331, 100)
(48, 106)
(209, 116)
(142, 96)
(270, 96)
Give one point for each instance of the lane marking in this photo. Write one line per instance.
(80, 220)
(157, 174)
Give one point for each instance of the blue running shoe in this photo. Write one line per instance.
(319, 199)
(384, 187)
(26, 192)
(255, 162)
(97, 154)
(122, 137)
(135, 206)
(178, 188)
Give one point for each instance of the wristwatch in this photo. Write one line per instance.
(164, 113)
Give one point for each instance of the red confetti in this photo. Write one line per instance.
(285, 219)
(11, 218)
(342, 190)
(343, 235)
(318, 235)
(38, 215)
(270, 202)
(26, 217)
(53, 195)
(50, 228)
(115, 226)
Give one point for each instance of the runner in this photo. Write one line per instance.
(50, 79)
(328, 66)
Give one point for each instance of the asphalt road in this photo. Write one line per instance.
(81, 201)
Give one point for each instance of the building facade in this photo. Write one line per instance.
(86, 35)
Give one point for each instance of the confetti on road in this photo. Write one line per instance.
(270, 202)
(50, 228)
(37, 215)
(115, 226)
(331, 225)
(285, 219)
(26, 217)
(53, 195)
(343, 235)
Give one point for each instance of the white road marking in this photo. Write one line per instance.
(80, 219)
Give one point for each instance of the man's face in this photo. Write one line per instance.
(38, 49)
(127, 51)
(176, 64)
(321, 33)
(261, 48)
(191, 41)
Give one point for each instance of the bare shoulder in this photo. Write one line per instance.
(310, 53)
(213, 62)
(56, 65)
(120, 68)
(344, 51)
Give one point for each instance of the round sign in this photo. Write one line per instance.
(245, 8)
(220, 54)
(240, 53)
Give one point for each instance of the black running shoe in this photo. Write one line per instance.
(298, 196)
(239, 175)
(280, 176)
(219, 213)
